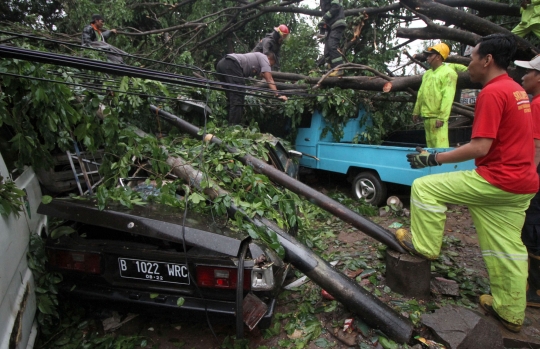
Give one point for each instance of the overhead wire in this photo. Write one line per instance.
(110, 88)
(126, 69)
(173, 82)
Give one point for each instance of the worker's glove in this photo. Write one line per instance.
(422, 159)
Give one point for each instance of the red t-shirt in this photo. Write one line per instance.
(503, 113)
(535, 107)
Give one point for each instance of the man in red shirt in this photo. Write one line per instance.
(497, 192)
(531, 230)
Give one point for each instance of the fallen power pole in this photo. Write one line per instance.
(315, 197)
(353, 296)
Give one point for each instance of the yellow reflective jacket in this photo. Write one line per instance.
(436, 93)
(531, 15)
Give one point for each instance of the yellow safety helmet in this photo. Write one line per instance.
(441, 49)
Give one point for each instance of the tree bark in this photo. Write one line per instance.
(438, 32)
(451, 59)
(484, 7)
(370, 83)
(467, 21)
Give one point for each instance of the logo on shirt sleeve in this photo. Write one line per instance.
(522, 101)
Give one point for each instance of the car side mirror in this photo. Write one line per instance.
(295, 154)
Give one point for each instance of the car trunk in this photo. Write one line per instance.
(146, 255)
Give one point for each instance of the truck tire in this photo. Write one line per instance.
(368, 186)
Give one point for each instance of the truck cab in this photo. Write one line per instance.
(369, 167)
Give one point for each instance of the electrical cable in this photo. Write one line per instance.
(125, 70)
(189, 67)
(209, 323)
(115, 69)
(95, 88)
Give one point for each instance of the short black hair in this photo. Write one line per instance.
(501, 47)
(96, 17)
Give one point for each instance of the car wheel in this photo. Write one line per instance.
(368, 186)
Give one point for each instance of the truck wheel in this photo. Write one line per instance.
(368, 186)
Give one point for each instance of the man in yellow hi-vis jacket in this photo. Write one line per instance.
(530, 18)
(435, 97)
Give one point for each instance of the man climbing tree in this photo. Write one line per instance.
(272, 43)
(332, 26)
(93, 36)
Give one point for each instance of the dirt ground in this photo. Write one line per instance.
(360, 257)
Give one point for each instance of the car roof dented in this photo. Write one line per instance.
(152, 220)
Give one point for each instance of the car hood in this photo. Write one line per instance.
(152, 220)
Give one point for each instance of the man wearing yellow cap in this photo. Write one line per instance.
(435, 97)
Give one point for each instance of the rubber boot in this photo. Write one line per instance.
(533, 282)
(486, 302)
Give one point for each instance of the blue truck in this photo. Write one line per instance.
(369, 167)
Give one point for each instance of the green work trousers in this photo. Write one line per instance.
(522, 29)
(436, 137)
(498, 217)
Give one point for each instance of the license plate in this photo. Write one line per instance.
(153, 271)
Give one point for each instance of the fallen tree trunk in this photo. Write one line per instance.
(372, 83)
(354, 297)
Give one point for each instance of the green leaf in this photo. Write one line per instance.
(180, 301)
(387, 343)
(323, 343)
(46, 199)
(61, 231)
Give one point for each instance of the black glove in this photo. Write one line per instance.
(422, 159)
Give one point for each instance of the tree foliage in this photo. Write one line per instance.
(45, 109)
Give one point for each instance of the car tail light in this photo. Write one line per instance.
(86, 262)
(217, 277)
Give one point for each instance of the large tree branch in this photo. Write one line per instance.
(164, 30)
(370, 83)
(484, 7)
(438, 32)
(233, 25)
(466, 21)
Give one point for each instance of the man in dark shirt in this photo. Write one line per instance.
(333, 24)
(272, 43)
(234, 68)
(93, 36)
(93, 31)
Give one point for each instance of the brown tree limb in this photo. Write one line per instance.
(466, 21)
(451, 59)
(413, 58)
(438, 32)
(485, 7)
(164, 30)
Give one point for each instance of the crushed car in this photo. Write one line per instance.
(147, 256)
